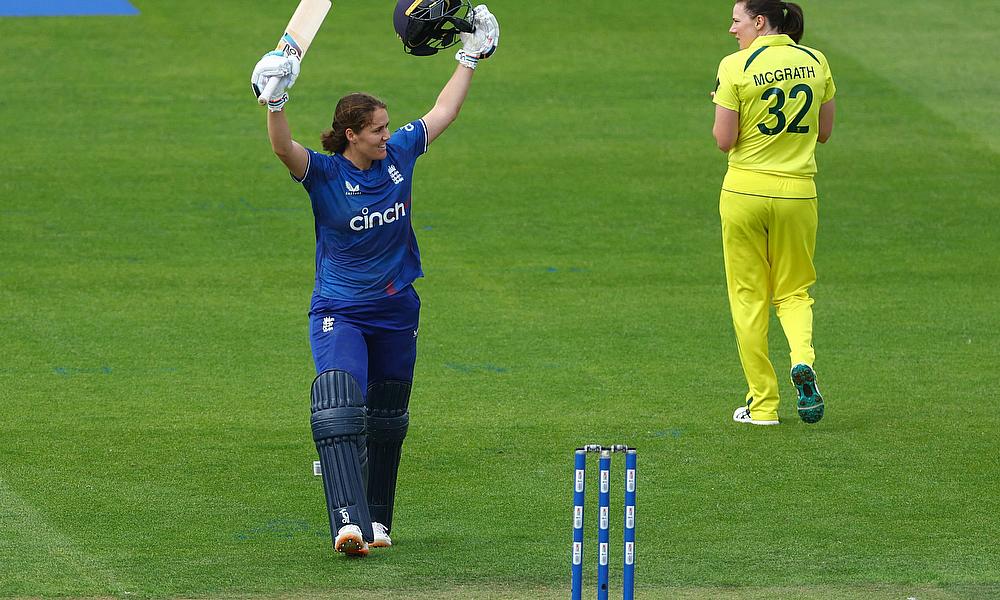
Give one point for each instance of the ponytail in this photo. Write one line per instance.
(794, 24)
(786, 17)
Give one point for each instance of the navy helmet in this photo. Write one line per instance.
(426, 26)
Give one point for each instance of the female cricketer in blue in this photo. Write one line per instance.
(364, 313)
(774, 101)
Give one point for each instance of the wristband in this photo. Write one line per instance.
(278, 104)
(466, 60)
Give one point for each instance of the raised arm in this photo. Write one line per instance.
(476, 46)
(449, 102)
(290, 152)
(286, 69)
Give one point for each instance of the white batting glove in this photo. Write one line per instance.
(277, 104)
(274, 64)
(481, 43)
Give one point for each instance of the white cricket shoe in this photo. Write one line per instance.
(742, 415)
(382, 539)
(350, 541)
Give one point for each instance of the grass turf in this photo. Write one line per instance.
(157, 265)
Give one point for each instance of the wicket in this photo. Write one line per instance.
(604, 504)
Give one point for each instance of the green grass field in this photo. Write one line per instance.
(156, 265)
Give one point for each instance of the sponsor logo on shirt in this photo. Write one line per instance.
(371, 219)
(352, 190)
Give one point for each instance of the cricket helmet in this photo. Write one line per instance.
(426, 26)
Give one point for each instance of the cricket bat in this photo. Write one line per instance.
(298, 36)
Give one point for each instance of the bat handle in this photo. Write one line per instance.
(272, 83)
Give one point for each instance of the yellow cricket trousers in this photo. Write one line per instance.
(768, 246)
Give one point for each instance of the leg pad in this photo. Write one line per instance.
(339, 426)
(388, 421)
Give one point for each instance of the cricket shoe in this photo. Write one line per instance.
(810, 400)
(382, 539)
(742, 415)
(350, 541)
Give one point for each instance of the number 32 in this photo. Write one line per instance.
(779, 103)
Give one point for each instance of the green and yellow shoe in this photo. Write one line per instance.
(810, 400)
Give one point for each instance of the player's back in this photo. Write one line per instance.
(777, 87)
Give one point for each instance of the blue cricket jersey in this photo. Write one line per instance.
(365, 246)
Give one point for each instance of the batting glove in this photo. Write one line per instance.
(483, 41)
(274, 64)
(277, 104)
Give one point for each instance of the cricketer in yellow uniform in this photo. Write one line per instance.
(768, 202)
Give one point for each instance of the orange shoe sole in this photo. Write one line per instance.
(351, 546)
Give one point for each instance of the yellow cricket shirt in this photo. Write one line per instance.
(777, 87)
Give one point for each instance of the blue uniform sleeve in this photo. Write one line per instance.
(410, 140)
(321, 167)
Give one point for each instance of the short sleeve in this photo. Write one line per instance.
(410, 140)
(726, 92)
(831, 88)
(319, 169)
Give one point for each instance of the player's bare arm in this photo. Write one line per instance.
(727, 128)
(277, 71)
(477, 45)
(449, 103)
(288, 151)
(826, 114)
